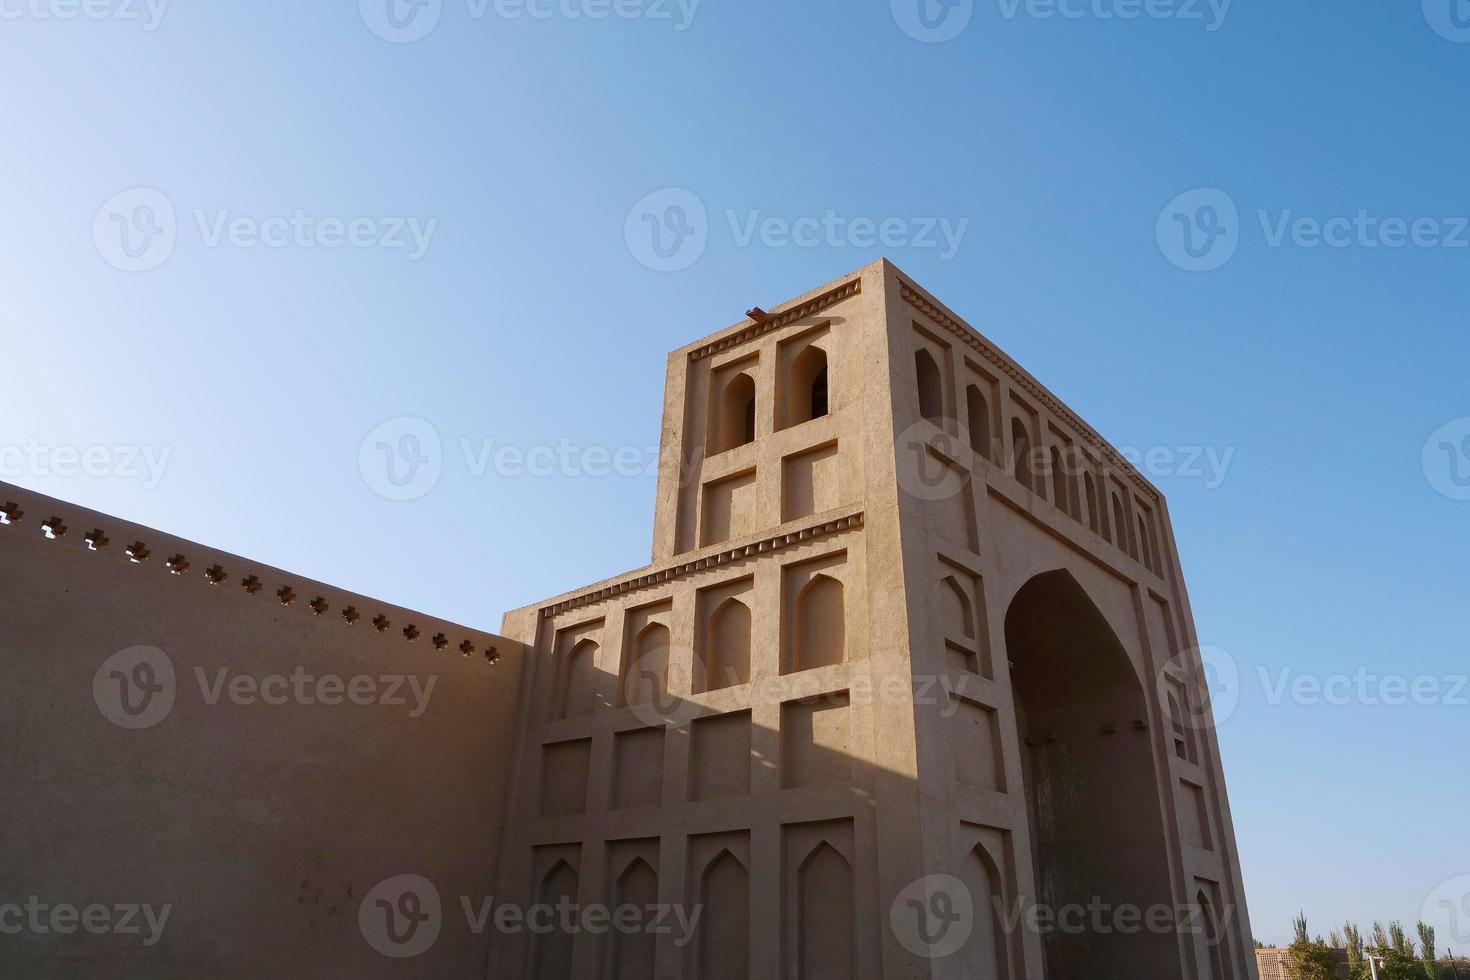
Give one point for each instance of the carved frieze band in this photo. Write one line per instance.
(814, 305)
(775, 543)
(924, 306)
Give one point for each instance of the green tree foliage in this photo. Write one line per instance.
(1426, 950)
(1309, 959)
(1352, 940)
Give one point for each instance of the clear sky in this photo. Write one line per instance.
(499, 290)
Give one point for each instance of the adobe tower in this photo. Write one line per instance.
(909, 689)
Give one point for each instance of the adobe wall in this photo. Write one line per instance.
(297, 750)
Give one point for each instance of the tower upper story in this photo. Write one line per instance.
(864, 389)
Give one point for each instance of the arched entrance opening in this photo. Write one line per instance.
(1097, 831)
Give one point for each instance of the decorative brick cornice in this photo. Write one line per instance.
(802, 310)
(777, 542)
(925, 306)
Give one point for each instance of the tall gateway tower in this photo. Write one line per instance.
(908, 690)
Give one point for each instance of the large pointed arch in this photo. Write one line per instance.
(1090, 776)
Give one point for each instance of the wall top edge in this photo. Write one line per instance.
(49, 522)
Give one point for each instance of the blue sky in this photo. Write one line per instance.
(1062, 150)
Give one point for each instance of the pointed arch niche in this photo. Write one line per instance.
(574, 684)
(632, 871)
(732, 406)
(719, 880)
(644, 677)
(820, 898)
(803, 391)
(557, 881)
(929, 383)
(723, 636)
(963, 619)
(814, 613)
(980, 406)
(987, 871)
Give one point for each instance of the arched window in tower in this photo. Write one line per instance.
(821, 638)
(977, 417)
(805, 394)
(737, 413)
(727, 662)
(1143, 548)
(931, 386)
(577, 683)
(1120, 527)
(1156, 563)
(1059, 495)
(1021, 451)
(1182, 747)
(646, 676)
(1090, 487)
